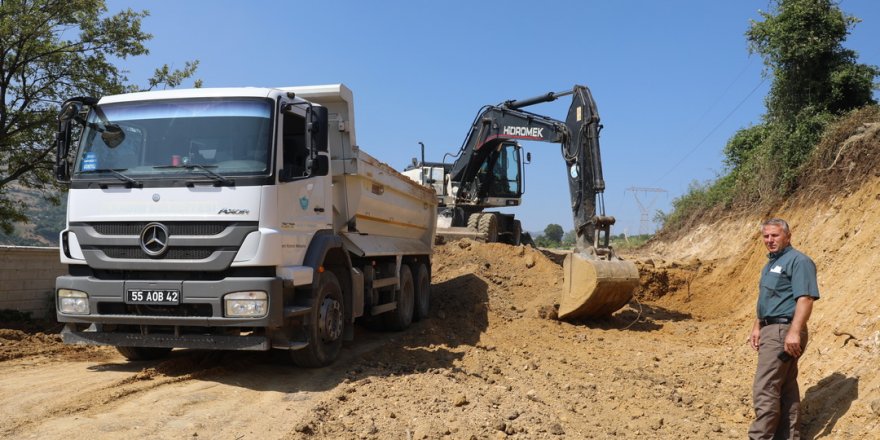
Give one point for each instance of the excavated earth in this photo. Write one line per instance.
(492, 362)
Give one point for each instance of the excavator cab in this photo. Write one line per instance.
(500, 177)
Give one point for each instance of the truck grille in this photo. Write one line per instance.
(181, 253)
(187, 246)
(200, 310)
(175, 228)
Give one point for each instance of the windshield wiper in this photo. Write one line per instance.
(203, 168)
(116, 173)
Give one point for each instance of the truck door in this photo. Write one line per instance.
(304, 195)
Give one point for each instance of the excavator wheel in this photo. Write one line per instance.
(516, 234)
(474, 222)
(488, 228)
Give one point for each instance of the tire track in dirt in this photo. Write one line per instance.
(181, 368)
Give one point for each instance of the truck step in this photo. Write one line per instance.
(290, 345)
(382, 308)
(384, 282)
(291, 311)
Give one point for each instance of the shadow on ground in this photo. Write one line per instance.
(457, 318)
(826, 402)
(638, 317)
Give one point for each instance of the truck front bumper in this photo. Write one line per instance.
(198, 321)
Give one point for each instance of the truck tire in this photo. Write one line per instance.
(324, 325)
(401, 317)
(422, 293)
(143, 353)
(488, 228)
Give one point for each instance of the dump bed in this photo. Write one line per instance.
(376, 209)
(384, 211)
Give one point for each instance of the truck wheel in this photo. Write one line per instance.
(401, 317)
(323, 325)
(143, 353)
(422, 293)
(489, 228)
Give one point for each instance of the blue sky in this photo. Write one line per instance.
(673, 79)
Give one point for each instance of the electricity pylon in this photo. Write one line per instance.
(645, 209)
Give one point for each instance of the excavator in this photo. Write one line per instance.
(488, 172)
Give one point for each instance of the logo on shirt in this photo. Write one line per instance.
(777, 269)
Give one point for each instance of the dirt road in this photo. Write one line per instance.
(488, 363)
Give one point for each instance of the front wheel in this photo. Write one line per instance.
(324, 325)
(488, 228)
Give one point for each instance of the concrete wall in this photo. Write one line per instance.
(27, 279)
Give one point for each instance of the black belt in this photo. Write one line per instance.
(768, 321)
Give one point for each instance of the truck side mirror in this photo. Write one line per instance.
(320, 166)
(316, 128)
(69, 110)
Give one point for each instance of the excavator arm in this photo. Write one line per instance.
(578, 137)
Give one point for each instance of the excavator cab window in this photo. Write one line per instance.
(505, 179)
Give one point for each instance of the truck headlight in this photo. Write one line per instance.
(246, 304)
(73, 302)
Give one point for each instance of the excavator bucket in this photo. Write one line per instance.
(594, 288)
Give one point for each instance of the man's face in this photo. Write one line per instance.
(775, 238)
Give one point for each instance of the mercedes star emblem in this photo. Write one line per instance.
(154, 239)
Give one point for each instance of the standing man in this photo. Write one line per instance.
(787, 290)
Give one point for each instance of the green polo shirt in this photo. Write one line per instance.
(788, 275)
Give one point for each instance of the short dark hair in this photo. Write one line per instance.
(777, 222)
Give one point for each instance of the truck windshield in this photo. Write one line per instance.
(217, 137)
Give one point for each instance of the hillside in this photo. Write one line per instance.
(834, 220)
(46, 219)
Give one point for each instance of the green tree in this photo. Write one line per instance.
(801, 43)
(569, 239)
(554, 233)
(52, 50)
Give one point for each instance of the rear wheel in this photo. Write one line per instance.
(489, 228)
(516, 234)
(143, 353)
(324, 325)
(422, 293)
(401, 317)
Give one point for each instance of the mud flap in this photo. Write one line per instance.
(594, 288)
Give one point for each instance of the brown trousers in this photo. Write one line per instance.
(776, 396)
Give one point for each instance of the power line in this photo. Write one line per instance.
(711, 132)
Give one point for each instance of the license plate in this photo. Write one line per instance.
(167, 297)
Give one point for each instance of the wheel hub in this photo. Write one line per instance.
(330, 320)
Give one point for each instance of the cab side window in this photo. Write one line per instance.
(294, 140)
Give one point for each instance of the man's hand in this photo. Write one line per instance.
(755, 338)
(793, 343)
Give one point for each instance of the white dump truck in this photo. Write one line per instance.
(236, 218)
